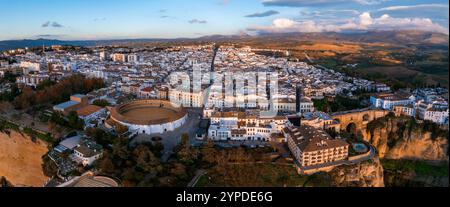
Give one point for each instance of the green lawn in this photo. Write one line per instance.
(203, 181)
(419, 167)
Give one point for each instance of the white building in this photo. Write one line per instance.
(388, 101)
(438, 116)
(90, 113)
(32, 79)
(103, 56)
(289, 105)
(133, 58)
(313, 147)
(320, 120)
(118, 57)
(87, 153)
(242, 126)
(30, 66)
(380, 87)
(4, 63)
(436, 111)
(409, 110)
(187, 99)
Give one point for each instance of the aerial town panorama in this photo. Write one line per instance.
(224, 93)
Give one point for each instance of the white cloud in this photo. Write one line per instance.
(369, 2)
(386, 22)
(415, 7)
(287, 25)
(197, 21)
(329, 14)
(364, 22)
(283, 23)
(344, 11)
(301, 3)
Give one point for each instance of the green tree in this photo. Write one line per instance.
(106, 165)
(120, 148)
(188, 155)
(74, 121)
(185, 139)
(146, 161)
(101, 103)
(49, 167)
(4, 183)
(208, 152)
(101, 137)
(44, 84)
(8, 77)
(185, 153)
(179, 170)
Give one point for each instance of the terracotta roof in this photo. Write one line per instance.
(148, 89)
(310, 139)
(95, 182)
(88, 110)
(277, 136)
(238, 131)
(90, 180)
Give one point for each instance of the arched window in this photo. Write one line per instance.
(366, 117)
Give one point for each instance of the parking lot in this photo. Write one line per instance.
(173, 138)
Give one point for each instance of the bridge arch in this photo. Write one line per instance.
(355, 121)
(352, 128)
(366, 117)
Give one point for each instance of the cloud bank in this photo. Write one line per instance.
(365, 22)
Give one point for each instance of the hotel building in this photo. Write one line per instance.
(314, 147)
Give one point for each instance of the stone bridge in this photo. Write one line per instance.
(356, 121)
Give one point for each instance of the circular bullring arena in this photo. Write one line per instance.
(149, 116)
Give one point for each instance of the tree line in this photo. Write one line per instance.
(58, 92)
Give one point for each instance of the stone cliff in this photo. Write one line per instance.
(404, 138)
(365, 174)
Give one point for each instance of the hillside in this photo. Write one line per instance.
(14, 44)
(285, 39)
(398, 58)
(21, 160)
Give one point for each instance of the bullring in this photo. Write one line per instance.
(149, 116)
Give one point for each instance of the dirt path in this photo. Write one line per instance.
(20, 160)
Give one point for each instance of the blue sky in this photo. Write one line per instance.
(111, 19)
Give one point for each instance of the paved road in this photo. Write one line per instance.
(229, 144)
(172, 139)
(196, 178)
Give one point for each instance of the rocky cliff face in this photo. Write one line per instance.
(403, 138)
(365, 174)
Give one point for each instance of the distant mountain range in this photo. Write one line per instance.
(393, 37)
(14, 44)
